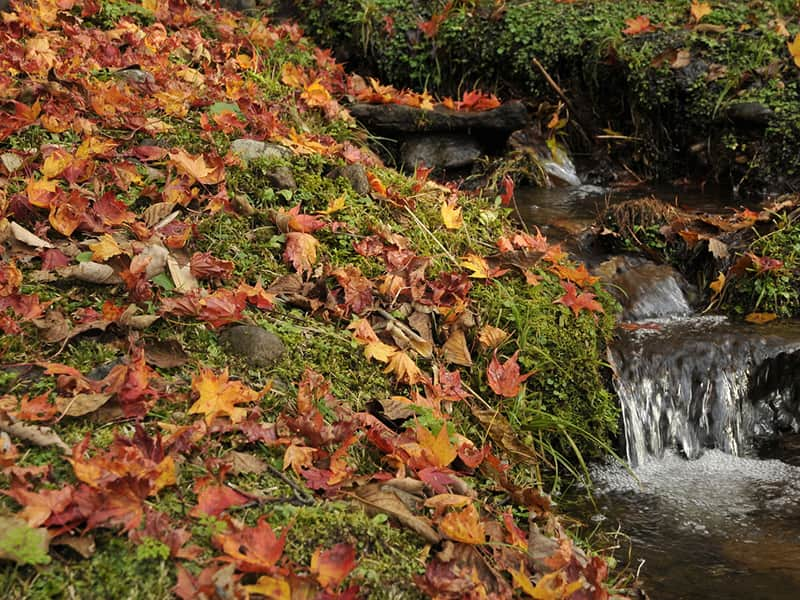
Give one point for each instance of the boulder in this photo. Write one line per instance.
(247, 149)
(440, 151)
(256, 345)
(357, 176)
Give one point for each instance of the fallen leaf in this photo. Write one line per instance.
(301, 250)
(219, 396)
(331, 567)
(760, 318)
(638, 25)
(794, 49)
(23, 544)
(439, 450)
(81, 404)
(578, 302)
(455, 349)
(451, 215)
(253, 549)
(699, 10)
(273, 588)
(464, 526)
(505, 379)
(34, 434)
(490, 337)
(379, 498)
(404, 368)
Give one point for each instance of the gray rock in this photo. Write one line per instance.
(750, 113)
(440, 150)
(281, 178)
(252, 149)
(259, 347)
(357, 176)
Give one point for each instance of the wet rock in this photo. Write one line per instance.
(399, 118)
(750, 113)
(281, 178)
(259, 347)
(356, 175)
(441, 151)
(247, 149)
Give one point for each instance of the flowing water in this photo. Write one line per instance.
(712, 503)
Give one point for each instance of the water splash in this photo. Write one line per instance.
(691, 383)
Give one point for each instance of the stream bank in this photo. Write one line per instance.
(669, 95)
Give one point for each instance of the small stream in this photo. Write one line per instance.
(710, 505)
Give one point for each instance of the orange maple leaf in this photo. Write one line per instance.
(219, 396)
(301, 250)
(254, 549)
(439, 451)
(638, 25)
(464, 526)
(404, 368)
(578, 302)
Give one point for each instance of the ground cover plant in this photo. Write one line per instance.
(177, 179)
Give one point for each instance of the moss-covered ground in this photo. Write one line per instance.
(116, 123)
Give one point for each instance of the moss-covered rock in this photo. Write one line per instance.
(676, 89)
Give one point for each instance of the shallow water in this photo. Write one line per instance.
(716, 527)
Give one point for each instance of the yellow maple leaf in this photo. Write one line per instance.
(717, 285)
(218, 396)
(105, 248)
(335, 205)
(700, 10)
(299, 458)
(451, 215)
(794, 49)
(271, 587)
(404, 368)
(56, 163)
(440, 452)
(490, 337)
(476, 264)
(379, 351)
(292, 75)
(315, 94)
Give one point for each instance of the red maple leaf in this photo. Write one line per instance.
(331, 567)
(505, 378)
(578, 302)
(253, 549)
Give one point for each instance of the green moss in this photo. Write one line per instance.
(566, 393)
(386, 555)
(115, 570)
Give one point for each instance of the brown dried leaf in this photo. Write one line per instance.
(455, 349)
(378, 498)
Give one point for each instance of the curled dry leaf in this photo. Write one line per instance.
(490, 337)
(91, 272)
(455, 349)
(24, 236)
(377, 498)
(464, 526)
(34, 434)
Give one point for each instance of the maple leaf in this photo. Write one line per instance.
(379, 351)
(38, 506)
(294, 220)
(638, 25)
(298, 457)
(10, 279)
(505, 378)
(315, 94)
(196, 167)
(331, 567)
(508, 190)
(439, 451)
(253, 549)
(578, 302)
(464, 526)
(579, 275)
(205, 266)
(273, 588)
(699, 10)
(794, 50)
(214, 499)
(218, 396)
(105, 248)
(760, 318)
(404, 368)
(451, 215)
(477, 265)
(301, 250)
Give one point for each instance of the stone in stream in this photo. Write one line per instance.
(357, 176)
(259, 347)
(440, 151)
(248, 149)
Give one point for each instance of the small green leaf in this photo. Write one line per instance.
(23, 544)
(163, 281)
(84, 256)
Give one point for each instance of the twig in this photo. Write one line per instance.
(557, 89)
(299, 492)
